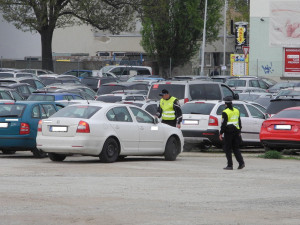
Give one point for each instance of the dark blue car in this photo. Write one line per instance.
(48, 96)
(19, 124)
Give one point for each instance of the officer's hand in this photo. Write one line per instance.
(178, 126)
(220, 137)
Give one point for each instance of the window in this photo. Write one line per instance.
(139, 98)
(79, 111)
(240, 107)
(12, 110)
(141, 116)
(255, 112)
(37, 97)
(288, 114)
(4, 95)
(175, 90)
(16, 95)
(35, 112)
(205, 92)
(68, 97)
(24, 90)
(38, 84)
(49, 110)
(197, 108)
(226, 91)
(236, 83)
(263, 85)
(152, 109)
(119, 114)
(254, 83)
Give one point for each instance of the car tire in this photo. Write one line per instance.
(205, 146)
(8, 152)
(57, 157)
(110, 151)
(172, 149)
(37, 153)
(187, 147)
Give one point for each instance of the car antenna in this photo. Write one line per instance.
(86, 99)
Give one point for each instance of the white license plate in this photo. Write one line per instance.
(190, 122)
(3, 125)
(283, 127)
(58, 129)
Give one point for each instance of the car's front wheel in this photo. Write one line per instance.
(172, 149)
(110, 151)
(57, 157)
(39, 153)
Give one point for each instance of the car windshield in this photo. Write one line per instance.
(107, 89)
(11, 110)
(197, 108)
(248, 96)
(42, 97)
(236, 83)
(293, 113)
(77, 111)
(282, 85)
(111, 99)
(175, 90)
(6, 75)
(276, 106)
(288, 93)
(205, 91)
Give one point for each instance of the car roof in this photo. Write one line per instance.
(124, 83)
(53, 93)
(26, 102)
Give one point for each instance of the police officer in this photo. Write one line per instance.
(231, 128)
(169, 109)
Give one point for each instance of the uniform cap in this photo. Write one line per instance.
(228, 99)
(163, 92)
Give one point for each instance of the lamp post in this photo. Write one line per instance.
(224, 51)
(203, 40)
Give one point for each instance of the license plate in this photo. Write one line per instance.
(58, 129)
(282, 127)
(190, 122)
(3, 125)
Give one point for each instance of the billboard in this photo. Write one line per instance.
(284, 27)
(241, 33)
(292, 61)
(239, 65)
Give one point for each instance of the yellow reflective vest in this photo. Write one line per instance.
(233, 117)
(168, 112)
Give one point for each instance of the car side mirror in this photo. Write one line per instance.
(236, 96)
(156, 121)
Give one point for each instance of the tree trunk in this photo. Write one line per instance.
(46, 39)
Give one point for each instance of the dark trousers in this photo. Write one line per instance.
(232, 143)
(170, 122)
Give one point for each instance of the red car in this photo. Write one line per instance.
(282, 131)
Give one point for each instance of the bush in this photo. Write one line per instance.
(272, 155)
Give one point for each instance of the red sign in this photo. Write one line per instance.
(292, 61)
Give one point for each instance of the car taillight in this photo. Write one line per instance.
(24, 128)
(40, 126)
(213, 121)
(186, 100)
(99, 83)
(83, 127)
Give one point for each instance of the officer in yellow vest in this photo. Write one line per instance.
(169, 109)
(231, 128)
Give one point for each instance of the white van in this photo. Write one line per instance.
(125, 72)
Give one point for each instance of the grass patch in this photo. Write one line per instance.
(277, 155)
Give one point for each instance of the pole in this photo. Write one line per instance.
(224, 52)
(170, 67)
(203, 40)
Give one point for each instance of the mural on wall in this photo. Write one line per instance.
(285, 23)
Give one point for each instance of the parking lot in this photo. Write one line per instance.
(148, 190)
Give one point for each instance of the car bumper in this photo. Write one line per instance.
(281, 144)
(70, 145)
(17, 143)
(196, 136)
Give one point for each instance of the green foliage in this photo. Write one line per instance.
(241, 9)
(173, 28)
(272, 155)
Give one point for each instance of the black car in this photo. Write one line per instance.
(278, 104)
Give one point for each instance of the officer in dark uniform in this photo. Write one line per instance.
(231, 128)
(169, 109)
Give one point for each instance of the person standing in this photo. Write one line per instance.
(169, 109)
(215, 72)
(231, 128)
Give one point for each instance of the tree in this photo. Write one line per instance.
(172, 29)
(43, 16)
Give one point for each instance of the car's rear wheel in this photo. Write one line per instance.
(57, 157)
(39, 153)
(172, 149)
(110, 151)
(8, 152)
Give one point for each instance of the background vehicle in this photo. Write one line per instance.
(220, 78)
(239, 90)
(248, 81)
(282, 85)
(15, 75)
(96, 82)
(186, 91)
(33, 82)
(121, 86)
(191, 77)
(288, 92)
(280, 103)
(18, 125)
(202, 121)
(129, 131)
(37, 72)
(14, 94)
(53, 96)
(282, 131)
(120, 97)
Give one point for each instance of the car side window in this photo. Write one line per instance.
(152, 109)
(48, 109)
(240, 107)
(255, 112)
(254, 83)
(38, 84)
(23, 90)
(35, 112)
(263, 85)
(31, 89)
(226, 91)
(141, 116)
(120, 114)
(16, 95)
(68, 97)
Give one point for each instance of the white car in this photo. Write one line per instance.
(108, 131)
(202, 121)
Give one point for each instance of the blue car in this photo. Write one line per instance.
(19, 124)
(48, 96)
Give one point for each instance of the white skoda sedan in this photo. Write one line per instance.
(109, 131)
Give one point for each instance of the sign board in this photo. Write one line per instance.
(239, 65)
(241, 33)
(292, 62)
(246, 50)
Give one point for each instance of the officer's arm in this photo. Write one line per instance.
(240, 123)
(159, 111)
(224, 122)
(178, 112)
